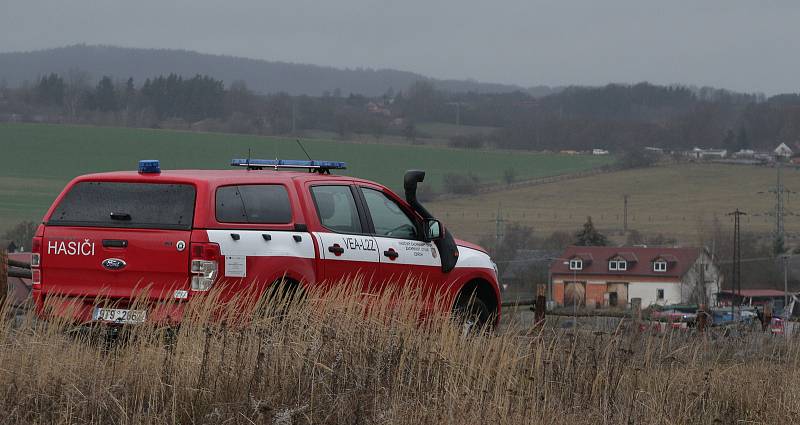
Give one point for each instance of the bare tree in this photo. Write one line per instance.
(76, 88)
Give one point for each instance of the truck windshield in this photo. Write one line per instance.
(126, 205)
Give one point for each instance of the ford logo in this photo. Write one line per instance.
(114, 263)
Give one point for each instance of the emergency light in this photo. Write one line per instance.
(149, 166)
(317, 166)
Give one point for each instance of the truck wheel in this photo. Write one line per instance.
(472, 314)
(280, 297)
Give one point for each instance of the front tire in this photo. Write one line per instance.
(472, 314)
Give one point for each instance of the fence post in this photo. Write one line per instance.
(636, 308)
(3, 276)
(541, 300)
(702, 318)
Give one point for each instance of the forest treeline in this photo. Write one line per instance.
(616, 117)
(262, 76)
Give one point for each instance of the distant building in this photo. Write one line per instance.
(754, 297)
(654, 150)
(783, 151)
(599, 152)
(612, 276)
(764, 156)
(699, 153)
(378, 108)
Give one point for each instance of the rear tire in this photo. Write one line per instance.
(280, 298)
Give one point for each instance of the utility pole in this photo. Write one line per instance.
(785, 282)
(704, 296)
(736, 282)
(779, 211)
(498, 227)
(625, 214)
(779, 189)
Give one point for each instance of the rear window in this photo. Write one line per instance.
(263, 203)
(128, 205)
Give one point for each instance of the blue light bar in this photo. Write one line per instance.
(289, 163)
(149, 166)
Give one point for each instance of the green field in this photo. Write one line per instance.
(677, 200)
(36, 161)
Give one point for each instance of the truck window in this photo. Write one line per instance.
(126, 205)
(255, 203)
(336, 208)
(388, 218)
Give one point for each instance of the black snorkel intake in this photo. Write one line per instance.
(410, 181)
(448, 249)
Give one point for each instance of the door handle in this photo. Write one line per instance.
(115, 243)
(336, 249)
(391, 253)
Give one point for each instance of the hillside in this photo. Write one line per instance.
(63, 152)
(678, 200)
(260, 75)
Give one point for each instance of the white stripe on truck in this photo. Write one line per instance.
(361, 248)
(252, 243)
(468, 257)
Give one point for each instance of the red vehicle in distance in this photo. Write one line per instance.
(182, 233)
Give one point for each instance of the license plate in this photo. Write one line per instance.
(116, 315)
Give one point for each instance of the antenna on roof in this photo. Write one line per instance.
(275, 146)
(304, 149)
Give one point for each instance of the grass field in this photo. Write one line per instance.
(342, 359)
(38, 160)
(444, 130)
(675, 200)
(430, 133)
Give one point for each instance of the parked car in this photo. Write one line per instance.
(777, 326)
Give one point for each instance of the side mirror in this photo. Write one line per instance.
(433, 229)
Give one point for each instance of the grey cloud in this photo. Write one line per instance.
(736, 44)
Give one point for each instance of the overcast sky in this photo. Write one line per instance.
(746, 45)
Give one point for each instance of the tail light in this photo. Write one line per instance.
(36, 261)
(205, 265)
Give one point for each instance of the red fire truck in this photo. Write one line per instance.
(182, 233)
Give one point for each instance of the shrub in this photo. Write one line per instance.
(636, 158)
(22, 234)
(462, 184)
(510, 175)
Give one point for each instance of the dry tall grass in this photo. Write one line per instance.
(335, 358)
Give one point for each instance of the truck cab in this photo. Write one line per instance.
(171, 236)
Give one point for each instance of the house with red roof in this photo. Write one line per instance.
(603, 276)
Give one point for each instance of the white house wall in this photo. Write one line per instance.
(692, 281)
(648, 292)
